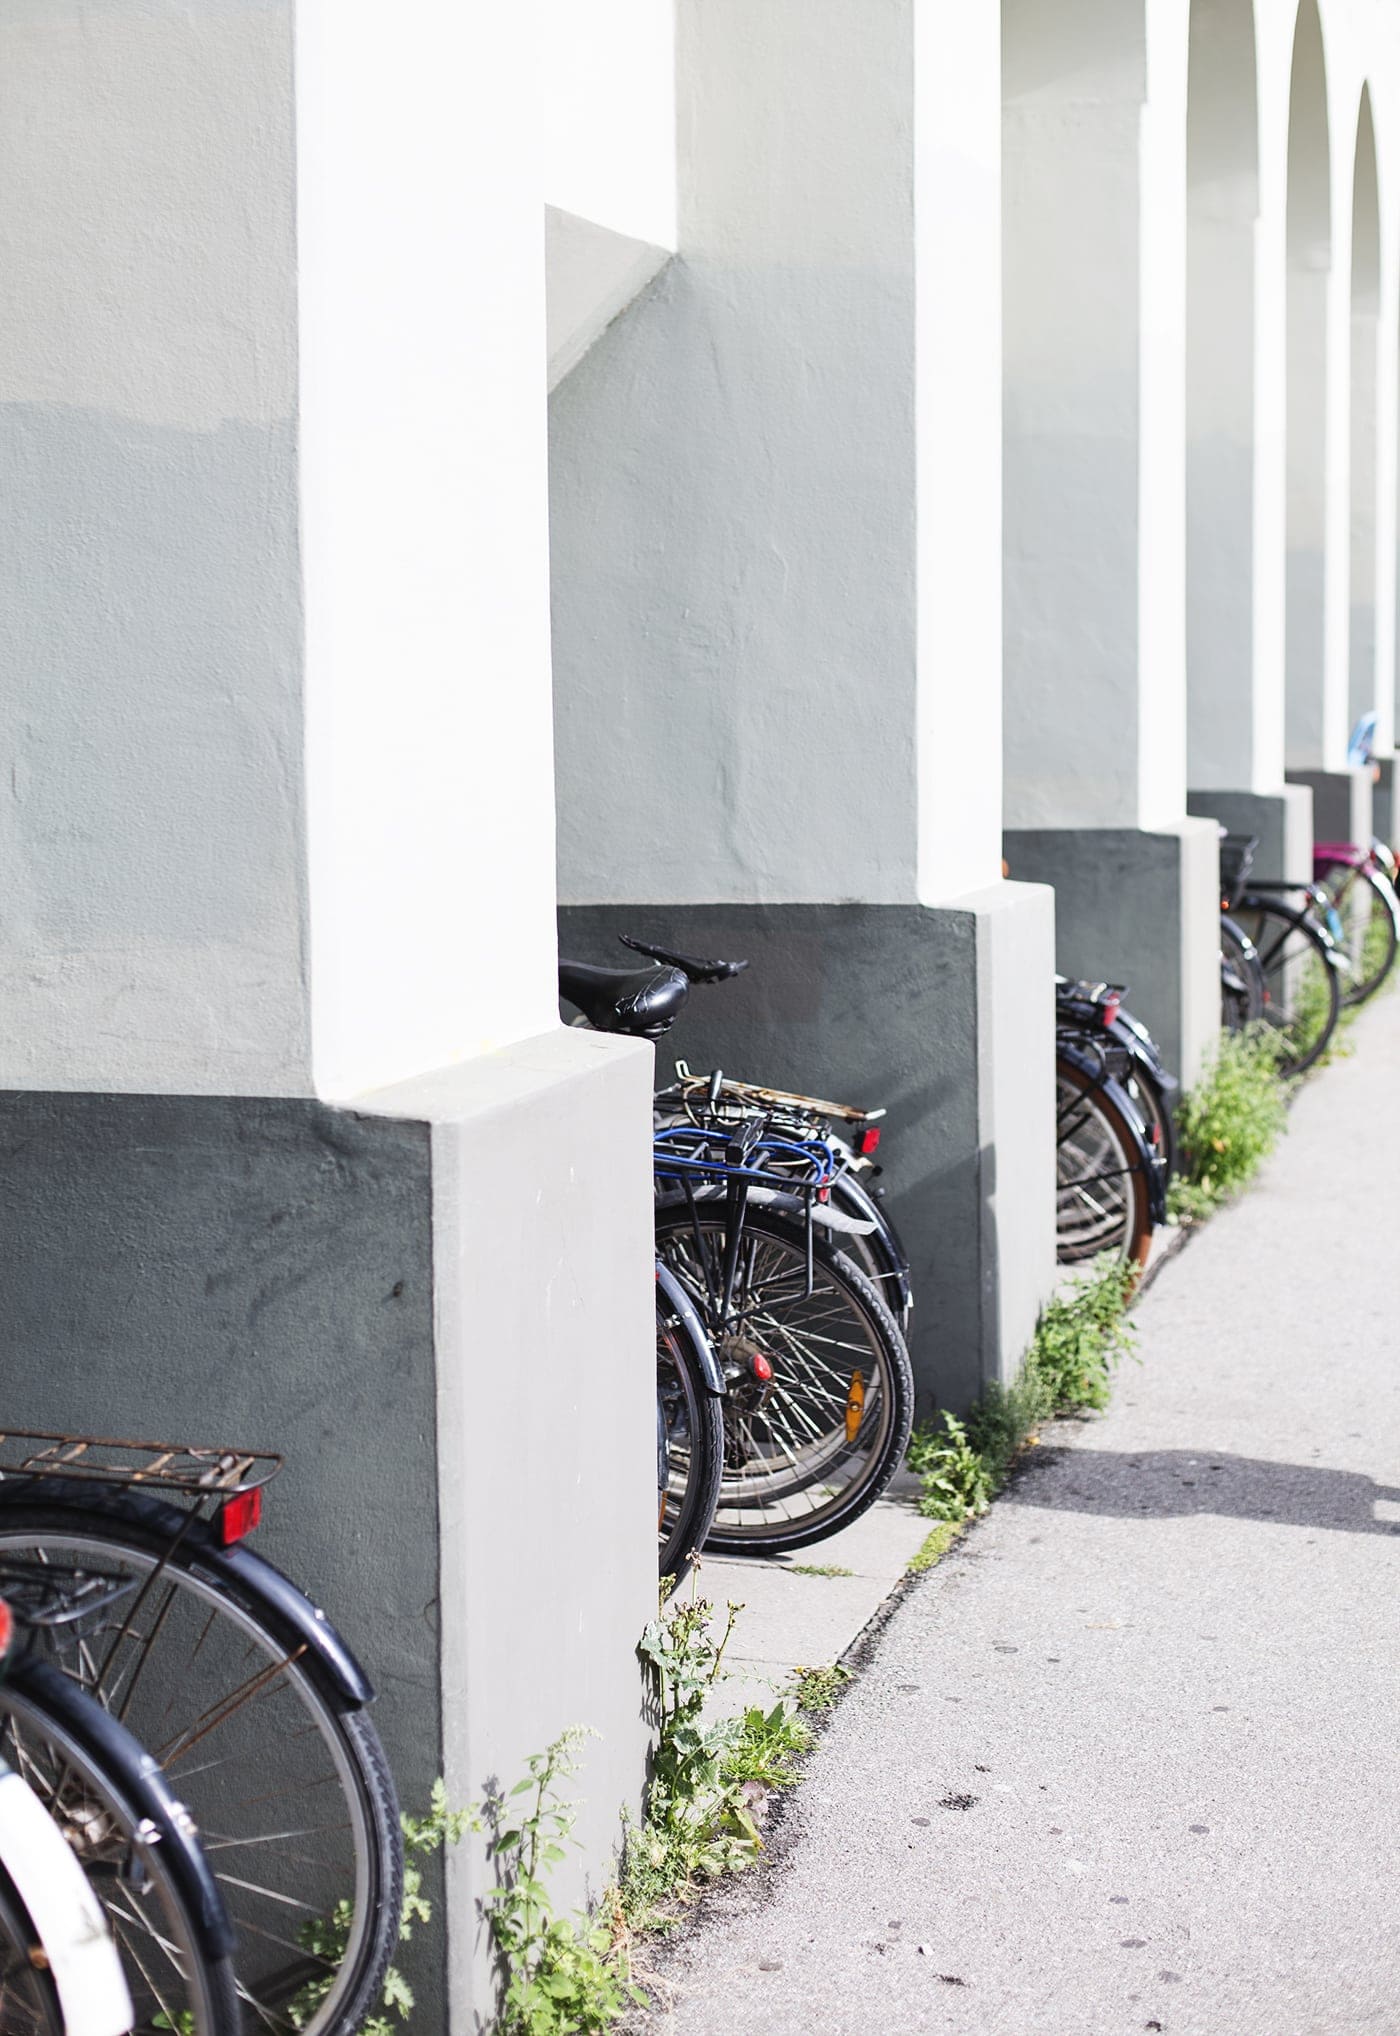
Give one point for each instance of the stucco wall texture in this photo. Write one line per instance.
(152, 816)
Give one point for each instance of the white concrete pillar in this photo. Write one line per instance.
(1226, 677)
(276, 825)
(1363, 674)
(776, 539)
(1313, 406)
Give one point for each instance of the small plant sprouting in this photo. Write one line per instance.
(1082, 1335)
(818, 1569)
(1229, 1123)
(818, 1688)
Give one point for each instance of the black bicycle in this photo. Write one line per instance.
(136, 1843)
(753, 1202)
(1111, 1152)
(1301, 962)
(245, 1694)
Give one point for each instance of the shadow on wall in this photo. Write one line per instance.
(1172, 1484)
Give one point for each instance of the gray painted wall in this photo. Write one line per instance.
(944, 1018)
(153, 926)
(732, 516)
(1140, 908)
(1281, 822)
(442, 1316)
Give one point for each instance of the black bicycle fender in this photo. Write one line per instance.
(679, 1299)
(851, 1187)
(298, 1622)
(114, 1749)
(1153, 1170)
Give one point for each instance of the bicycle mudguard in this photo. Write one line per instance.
(1088, 1063)
(679, 1299)
(144, 1789)
(287, 1610)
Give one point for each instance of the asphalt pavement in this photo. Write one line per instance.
(1127, 1759)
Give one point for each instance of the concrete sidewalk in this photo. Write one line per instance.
(1127, 1759)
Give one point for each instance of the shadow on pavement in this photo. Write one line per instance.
(1175, 1483)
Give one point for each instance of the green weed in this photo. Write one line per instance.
(816, 1689)
(936, 1544)
(818, 1569)
(1229, 1123)
(1081, 1337)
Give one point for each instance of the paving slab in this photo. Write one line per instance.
(1127, 1759)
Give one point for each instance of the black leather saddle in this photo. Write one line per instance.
(640, 1002)
(694, 967)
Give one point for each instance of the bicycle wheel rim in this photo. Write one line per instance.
(1097, 1185)
(1303, 994)
(294, 1959)
(791, 1462)
(171, 1987)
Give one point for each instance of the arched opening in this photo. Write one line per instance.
(1309, 263)
(1073, 82)
(1365, 391)
(1222, 207)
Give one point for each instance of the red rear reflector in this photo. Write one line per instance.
(761, 1368)
(869, 1141)
(239, 1515)
(7, 1627)
(1110, 1008)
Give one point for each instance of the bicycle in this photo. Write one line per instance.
(60, 1971)
(248, 1698)
(818, 1394)
(1359, 885)
(690, 1392)
(134, 1844)
(1299, 953)
(818, 1399)
(1110, 1174)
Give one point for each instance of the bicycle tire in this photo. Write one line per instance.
(848, 1464)
(690, 1439)
(114, 1806)
(1242, 985)
(1301, 980)
(1115, 1219)
(285, 1976)
(29, 2004)
(1377, 939)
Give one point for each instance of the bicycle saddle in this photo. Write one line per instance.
(640, 1002)
(696, 971)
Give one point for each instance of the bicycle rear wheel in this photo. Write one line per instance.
(819, 1389)
(689, 1435)
(136, 1846)
(1303, 994)
(1103, 1203)
(289, 1787)
(1368, 909)
(1242, 986)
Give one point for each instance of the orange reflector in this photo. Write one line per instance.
(855, 1405)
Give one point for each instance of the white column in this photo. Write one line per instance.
(424, 536)
(957, 226)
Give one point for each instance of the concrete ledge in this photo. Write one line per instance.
(1140, 907)
(942, 1015)
(1282, 821)
(1341, 802)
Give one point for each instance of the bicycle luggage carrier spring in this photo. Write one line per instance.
(194, 1472)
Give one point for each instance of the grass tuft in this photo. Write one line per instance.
(1229, 1123)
